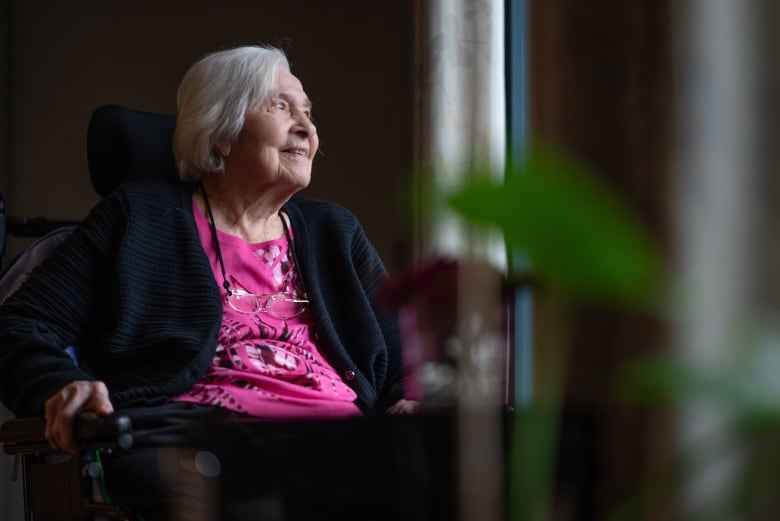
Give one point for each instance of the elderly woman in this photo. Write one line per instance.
(223, 291)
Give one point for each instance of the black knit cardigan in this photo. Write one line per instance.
(133, 289)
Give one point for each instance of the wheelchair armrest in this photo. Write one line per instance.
(91, 431)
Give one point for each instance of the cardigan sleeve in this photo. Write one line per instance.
(51, 311)
(373, 275)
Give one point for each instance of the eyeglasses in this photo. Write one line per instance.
(279, 305)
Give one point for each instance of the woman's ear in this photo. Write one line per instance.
(223, 150)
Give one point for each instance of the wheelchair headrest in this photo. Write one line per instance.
(129, 145)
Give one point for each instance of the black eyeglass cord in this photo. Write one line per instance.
(225, 283)
(213, 226)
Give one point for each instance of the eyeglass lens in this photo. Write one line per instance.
(279, 305)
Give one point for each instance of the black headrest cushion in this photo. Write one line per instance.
(129, 145)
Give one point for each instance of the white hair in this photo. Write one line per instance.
(212, 101)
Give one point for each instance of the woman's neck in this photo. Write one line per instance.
(254, 219)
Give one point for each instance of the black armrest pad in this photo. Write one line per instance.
(22, 430)
(26, 435)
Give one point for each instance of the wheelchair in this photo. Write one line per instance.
(122, 145)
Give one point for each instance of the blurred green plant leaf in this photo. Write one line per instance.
(745, 386)
(581, 239)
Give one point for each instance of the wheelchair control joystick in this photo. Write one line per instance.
(91, 429)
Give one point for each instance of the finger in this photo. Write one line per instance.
(72, 403)
(408, 407)
(403, 407)
(54, 418)
(99, 401)
(51, 408)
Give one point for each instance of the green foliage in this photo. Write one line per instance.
(532, 457)
(744, 386)
(581, 239)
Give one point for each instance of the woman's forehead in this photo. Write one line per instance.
(289, 85)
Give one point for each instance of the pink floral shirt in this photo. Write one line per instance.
(265, 366)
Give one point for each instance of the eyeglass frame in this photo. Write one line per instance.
(279, 296)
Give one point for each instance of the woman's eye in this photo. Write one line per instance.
(279, 105)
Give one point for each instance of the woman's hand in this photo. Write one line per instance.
(403, 407)
(66, 404)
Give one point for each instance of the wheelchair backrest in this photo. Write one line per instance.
(21, 267)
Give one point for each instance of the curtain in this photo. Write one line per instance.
(462, 112)
(461, 126)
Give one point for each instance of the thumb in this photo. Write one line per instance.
(100, 401)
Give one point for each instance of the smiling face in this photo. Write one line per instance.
(276, 146)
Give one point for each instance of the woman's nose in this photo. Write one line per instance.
(303, 122)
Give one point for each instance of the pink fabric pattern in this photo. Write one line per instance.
(265, 366)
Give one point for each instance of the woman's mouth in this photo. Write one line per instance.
(296, 151)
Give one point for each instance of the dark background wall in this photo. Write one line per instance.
(62, 60)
